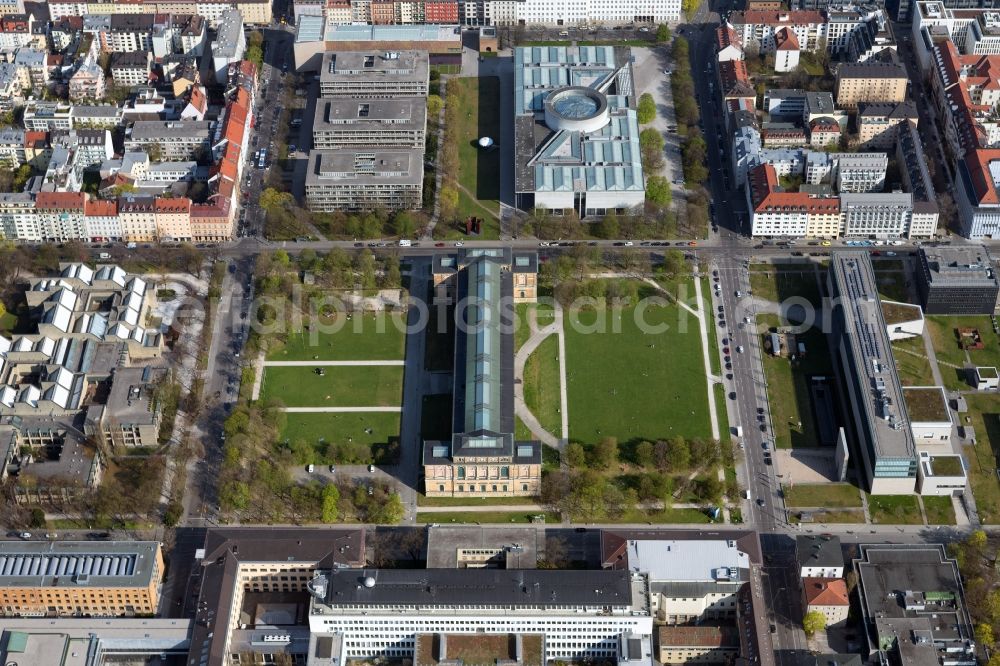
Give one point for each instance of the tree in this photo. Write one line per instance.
(658, 191)
(387, 512)
(644, 454)
(646, 110)
(234, 496)
(606, 453)
(663, 33)
(448, 200)
(21, 177)
(255, 55)
(331, 498)
(272, 199)
(403, 223)
(608, 227)
(37, 518)
(813, 622)
(434, 106)
(575, 455)
(984, 634)
(679, 454)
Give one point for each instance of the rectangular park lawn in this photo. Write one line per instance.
(374, 430)
(363, 337)
(634, 384)
(341, 386)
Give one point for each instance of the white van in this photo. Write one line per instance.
(404, 242)
(746, 494)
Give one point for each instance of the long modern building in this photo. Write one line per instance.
(374, 74)
(384, 612)
(482, 458)
(870, 384)
(370, 123)
(357, 179)
(576, 134)
(79, 578)
(957, 280)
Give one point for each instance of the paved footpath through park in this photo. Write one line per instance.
(339, 410)
(305, 364)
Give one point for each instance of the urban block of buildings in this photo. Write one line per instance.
(88, 374)
(80, 578)
(482, 458)
(576, 134)
(369, 132)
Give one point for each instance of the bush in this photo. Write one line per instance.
(646, 111)
(37, 518)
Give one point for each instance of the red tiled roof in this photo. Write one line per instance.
(766, 17)
(60, 200)
(54, 60)
(785, 40)
(35, 139)
(171, 205)
(766, 196)
(100, 208)
(978, 164)
(701, 636)
(726, 36)
(825, 592)
(197, 99)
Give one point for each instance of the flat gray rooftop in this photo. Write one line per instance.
(364, 65)
(339, 114)
(475, 587)
(869, 345)
(967, 266)
(444, 542)
(341, 167)
(152, 130)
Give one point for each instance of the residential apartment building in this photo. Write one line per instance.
(128, 32)
(847, 172)
(364, 180)
(713, 644)
(827, 596)
(80, 578)
(370, 123)
(819, 556)
(482, 458)
(759, 28)
(870, 384)
(872, 81)
(878, 123)
(374, 75)
(177, 141)
(774, 212)
(88, 82)
(131, 68)
(957, 280)
(229, 45)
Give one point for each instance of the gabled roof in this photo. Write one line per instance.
(766, 17)
(785, 40)
(767, 196)
(725, 36)
(825, 592)
(60, 200)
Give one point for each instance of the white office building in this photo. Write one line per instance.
(382, 612)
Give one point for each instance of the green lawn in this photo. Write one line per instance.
(913, 370)
(632, 384)
(946, 346)
(833, 495)
(423, 500)
(377, 431)
(892, 284)
(854, 516)
(541, 385)
(939, 510)
(341, 386)
(521, 432)
(984, 418)
(522, 330)
(788, 387)
(781, 282)
(894, 510)
(363, 337)
(713, 337)
(478, 517)
(720, 410)
(664, 516)
(478, 170)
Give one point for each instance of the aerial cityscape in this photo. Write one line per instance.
(499, 332)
